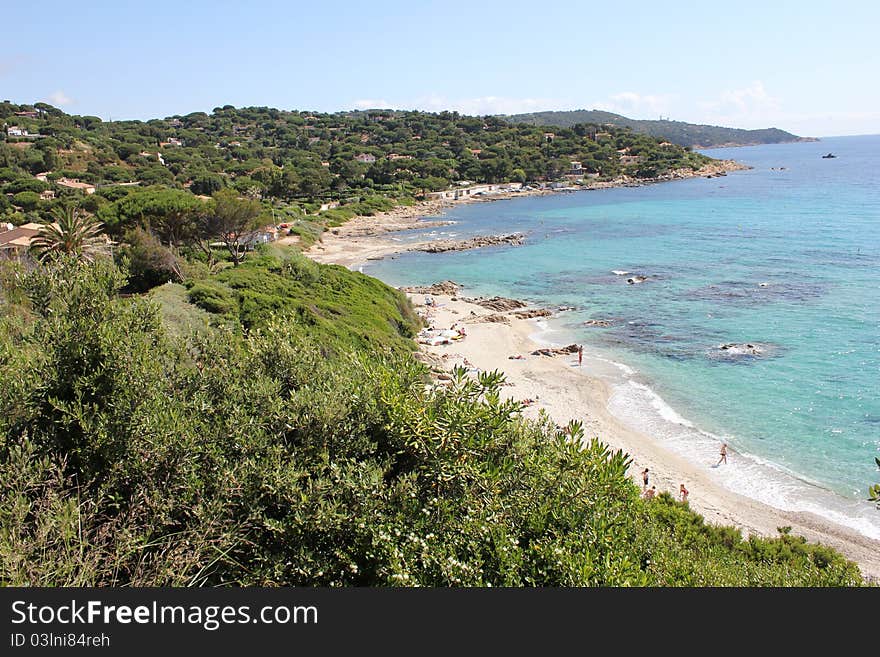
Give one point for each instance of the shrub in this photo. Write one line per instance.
(213, 297)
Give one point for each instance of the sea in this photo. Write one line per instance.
(784, 257)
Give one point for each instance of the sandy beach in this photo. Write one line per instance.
(565, 391)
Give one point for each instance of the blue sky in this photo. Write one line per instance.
(808, 67)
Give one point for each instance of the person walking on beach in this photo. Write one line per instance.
(723, 458)
(580, 355)
(683, 493)
(645, 478)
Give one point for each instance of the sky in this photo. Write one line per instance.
(807, 67)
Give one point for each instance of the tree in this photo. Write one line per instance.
(233, 220)
(73, 233)
(150, 263)
(206, 183)
(26, 200)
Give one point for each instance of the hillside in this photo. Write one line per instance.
(295, 162)
(678, 132)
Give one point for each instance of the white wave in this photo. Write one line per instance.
(746, 474)
(620, 272)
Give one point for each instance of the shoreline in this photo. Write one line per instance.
(364, 238)
(565, 391)
(558, 388)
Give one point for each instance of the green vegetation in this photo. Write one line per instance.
(282, 434)
(678, 132)
(161, 171)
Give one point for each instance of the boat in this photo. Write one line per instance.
(828, 156)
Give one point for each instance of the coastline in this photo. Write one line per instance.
(565, 391)
(365, 238)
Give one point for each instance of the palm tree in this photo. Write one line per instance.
(73, 233)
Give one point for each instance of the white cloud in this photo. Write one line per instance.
(751, 105)
(635, 105)
(372, 104)
(60, 98)
(478, 106)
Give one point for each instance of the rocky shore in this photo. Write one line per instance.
(366, 238)
(550, 381)
(442, 246)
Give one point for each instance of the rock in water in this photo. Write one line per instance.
(442, 246)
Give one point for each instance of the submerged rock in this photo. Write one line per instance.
(744, 351)
(601, 323)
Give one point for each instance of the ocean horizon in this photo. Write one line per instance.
(783, 257)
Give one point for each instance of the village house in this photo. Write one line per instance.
(43, 175)
(16, 131)
(263, 236)
(15, 241)
(72, 183)
(395, 156)
(31, 114)
(476, 190)
(47, 195)
(365, 158)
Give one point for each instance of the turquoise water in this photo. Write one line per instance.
(785, 255)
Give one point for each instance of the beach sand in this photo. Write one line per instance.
(565, 391)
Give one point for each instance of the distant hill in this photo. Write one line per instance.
(678, 132)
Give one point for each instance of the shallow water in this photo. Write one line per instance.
(785, 257)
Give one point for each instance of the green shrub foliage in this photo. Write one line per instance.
(251, 454)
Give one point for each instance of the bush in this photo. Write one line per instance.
(213, 297)
(150, 263)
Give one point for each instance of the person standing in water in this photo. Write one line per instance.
(723, 458)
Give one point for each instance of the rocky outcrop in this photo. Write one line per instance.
(500, 304)
(449, 288)
(532, 312)
(600, 323)
(494, 317)
(442, 246)
(556, 351)
(632, 280)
